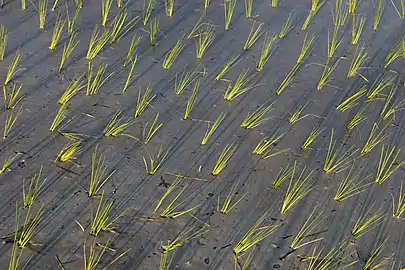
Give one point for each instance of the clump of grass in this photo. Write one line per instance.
(3, 41)
(172, 55)
(212, 128)
(153, 31)
(375, 261)
(384, 80)
(144, 101)
(226, 154)
(357, 27)
(334, 42)
(375, 137)
(367, 221)
(352, 100)
(388, 163)
(7, 162)
(154, 127)
(69, 151)
(13, 67)
(229, 7)
(97, 41)
(30, 195)
(230, 64)
(132, 48)
(12, 98)
(94, 83)
(148, 8)
(398, 209)
(255, 235)
(204, 38)
(182, 82)
(98, 176)
(101, 220)
(57, 31)
(378, 15)
(169, 6)
(155, 162)
(242, 85)
(335, 160)
(315, 132)
(71, 90)
(229, 203)
(117, 125)
(286, 27)
(391, 108)
(351, 186)
(191, 100)
(42, 7)
(68, 48)
(359, 58)
(316, 6)
(131, 70)
(257, 117)
(105, 10)
(283, 175)
(401, 13)
(326, 76)
(357, 118)
(119, 27)
(297, 189)
(296, 116)
(307, 234)
(306, 49)
(266, 52)
(11, 119)
(254, 34)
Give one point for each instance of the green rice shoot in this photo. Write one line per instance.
(401, 11)
(191, 100)
(105, 10)
(94, 83)
(388, 163)
(119, 27)
(242, 85)
(7, 162)
(11, 119)
(376, 261)
(334, 41)
(57, 31)
(229, 204)
(296, 116)
(375, 137)
(315, 132)
(132, 49)
(392, 107)
(98, 176)
(3, 41)
(204, 38)
(257, 117)
(226, 154)
(129, 76)
(68, 48)
(212, 127)
(172, 55)
(267, 51)
(144, 101)
(169, 6)
(326, 77)
(357, 27)
(12, 97)
(307, 234)
(351, 186)
(353, 100)
(97, 41)
(117, 126)
(287, 27)
(284, 174)
(12, 69)
(69, 151)
(156, 161)
(71, 90)
(31, 194)
(229, 7)
(228, 66)
(368, 221)
(359, 58)
(398, 209)
(147, 10)
(154, 127)
(378, 14)
(254, 34)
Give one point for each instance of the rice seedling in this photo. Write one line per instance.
(384, 80)
(307, 234)
(211, 128)
(255, 235)
(184, 237)
(352, 6)
(60, 116)
(315, 132)
(144, 101)
(229, 7)
(297, 189)
(119, 3)
(333, 41)
(378, 15)
(68, 48)
(391, 108)
(288, 79)
(30, 195)
(257, 117)
(7, 162)
(352, 100)
(92, 260)
(357, 27)
(368, 221)
(71, 90)
(3, 41)
(262, 148)
(226, 154)
(29, 228)
(395, 52)
(266, 52)
(341, 12)
(230, 64)
(79, 4)
(359, 58)
(166, 260)
(98, 176)
(132, 48)
(375, 261)
(401, 13)
(97, 41)
(120, 28)
(316, 6)
(398, 209)
(242, 85)
(105, 10)
(101, 220)
(71, 22)
(148, 8)
(333, 259)
(254, 34)
(306, 49)
(15, 258)
(388, 163)
(154, 127)
(335, 160)
(229, 204)
(129, 77)
(153, 31)
(351, 186)
(69, 151)
(248, 8)
(375, 137)
(57, 31)
(55, 3)
(169, 6)
(94, 83)
(182, 82)
(283, 175)
(11, 119)
(13, 67)
(206, 4)
(117, 125)
(357, 118)
(296, 116)
(172, 55)
(204, 38)
(155, 162)
(274, 3)
(286, 27)
(326, 77)
(23, 5)
(191, 100)
(42, 7)
(12, 98)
